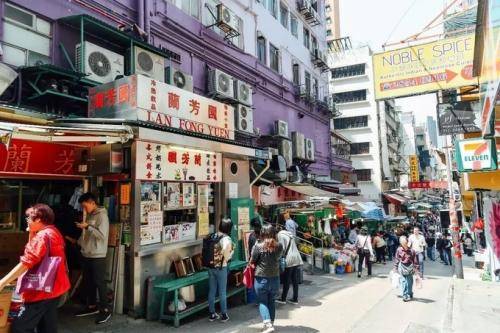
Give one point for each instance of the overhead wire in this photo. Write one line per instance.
(399, 22)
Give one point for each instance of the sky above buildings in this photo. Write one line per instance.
(375, 22)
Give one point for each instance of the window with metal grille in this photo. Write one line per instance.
(274, 57)
(348, 71)
(307, 39)
(294, 26)
(284, 15)
(350, 96)
(296, 74)
(261, 49)
(363, 174)
(359, 148)
(350, 122)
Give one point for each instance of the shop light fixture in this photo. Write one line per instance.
(191, 149)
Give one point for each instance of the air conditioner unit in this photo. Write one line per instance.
(309, 145)
(281, 129)
(243, 92)
(179, 79)
(286, 150)
(220, 84)
(149, 64)
(226, 21)
(298, 145)
(244, 118)
(100, 64)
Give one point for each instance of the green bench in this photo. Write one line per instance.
(174, 285)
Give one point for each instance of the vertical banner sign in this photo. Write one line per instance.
(414, 174)
(443, 64)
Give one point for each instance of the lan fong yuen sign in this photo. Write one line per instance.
(417, 69)
(140, 98)
(476, 155)
(459, 117)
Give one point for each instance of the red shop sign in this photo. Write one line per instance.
(39, 158)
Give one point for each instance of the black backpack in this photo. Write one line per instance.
(211, 252)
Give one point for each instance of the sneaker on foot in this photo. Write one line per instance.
(213, 316)
(294, 302)
(88, 311)
(406, 299)
(224, 317)
(280, 301)
(268, 327)
(103, 317)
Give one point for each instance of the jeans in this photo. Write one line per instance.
(380, 253)
(420, 257)
(41, 315)
(366, 258)
(430, 253)
(291, 274)
(266, 289)
(217, 280)
(447, 256)
(392, 251)
(94, 271)
(406, 284)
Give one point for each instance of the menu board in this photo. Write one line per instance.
(172, 196)
(203, 213)
(188, 195)
(151, 233)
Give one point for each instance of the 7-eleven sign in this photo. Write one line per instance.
(476, 155)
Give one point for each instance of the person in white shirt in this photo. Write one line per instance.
(353, 235)
(417, 243)
(290, 224)
(365, 250)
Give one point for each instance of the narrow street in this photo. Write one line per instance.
(333, 303)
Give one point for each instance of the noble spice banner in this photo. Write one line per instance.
(143, 99)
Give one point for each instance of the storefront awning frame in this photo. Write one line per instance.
(310, 191)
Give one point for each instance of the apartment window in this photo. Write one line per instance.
(363, 175)
(316, 89)
(360, 148)
(273, 7)
(307, 39)
(350, 96)
(307, 82)
(348, 71)
(328, 20)
(294, 26)
(274, 57)
(296, 74)
(350, 122)
(328, 8)
(284, 15)
(329, 32)
(26, 38)
(314, 43)
(261, 49)
(191, 7)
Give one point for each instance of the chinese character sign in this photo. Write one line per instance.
(31, 157)
(414, 173)
(161, 162)
(138, 97)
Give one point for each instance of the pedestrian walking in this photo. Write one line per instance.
(365, 251)
(353, 235)
(293, 261)
(406, 263)
(290, 224)
(440, 246)
(468, 249)
(431, 242)
(217, 275)
(392, 244)
(266, 255)
(417, 242)
(380, 247)
(39, 311)
(447, 245)
(94, 246)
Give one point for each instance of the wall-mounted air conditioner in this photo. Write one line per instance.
(100, 64)
(220, 84)
(243, 92)
(243, 118)
(299, 151)
(149, 64)
(179, 79)
(286, 150)
(226, 20)
(309, 146)
(281, 129)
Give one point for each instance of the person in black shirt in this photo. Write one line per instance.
(431, 241)
(255, 235)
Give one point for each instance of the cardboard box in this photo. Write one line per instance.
(5, 300)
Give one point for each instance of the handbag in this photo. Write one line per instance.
(42, 276)
(283, 257)
(249, 276)
(406, 270)
(362, 250)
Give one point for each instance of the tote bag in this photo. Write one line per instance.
(42, 276)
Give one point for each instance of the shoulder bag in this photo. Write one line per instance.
(283, 257)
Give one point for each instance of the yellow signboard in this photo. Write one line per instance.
(418, 69)
(414, 174)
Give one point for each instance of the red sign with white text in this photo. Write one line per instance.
(140, 98)
(428, 184)
(39, 158)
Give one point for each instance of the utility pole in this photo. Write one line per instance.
(454, 226)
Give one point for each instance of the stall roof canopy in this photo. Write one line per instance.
(310, 190)
(395, 198)
(346, 189)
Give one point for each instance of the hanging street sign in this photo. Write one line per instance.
(414, 173)
(418, 69)
(476, 155)
(459, 117)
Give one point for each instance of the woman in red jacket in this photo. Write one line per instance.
(40, 307)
